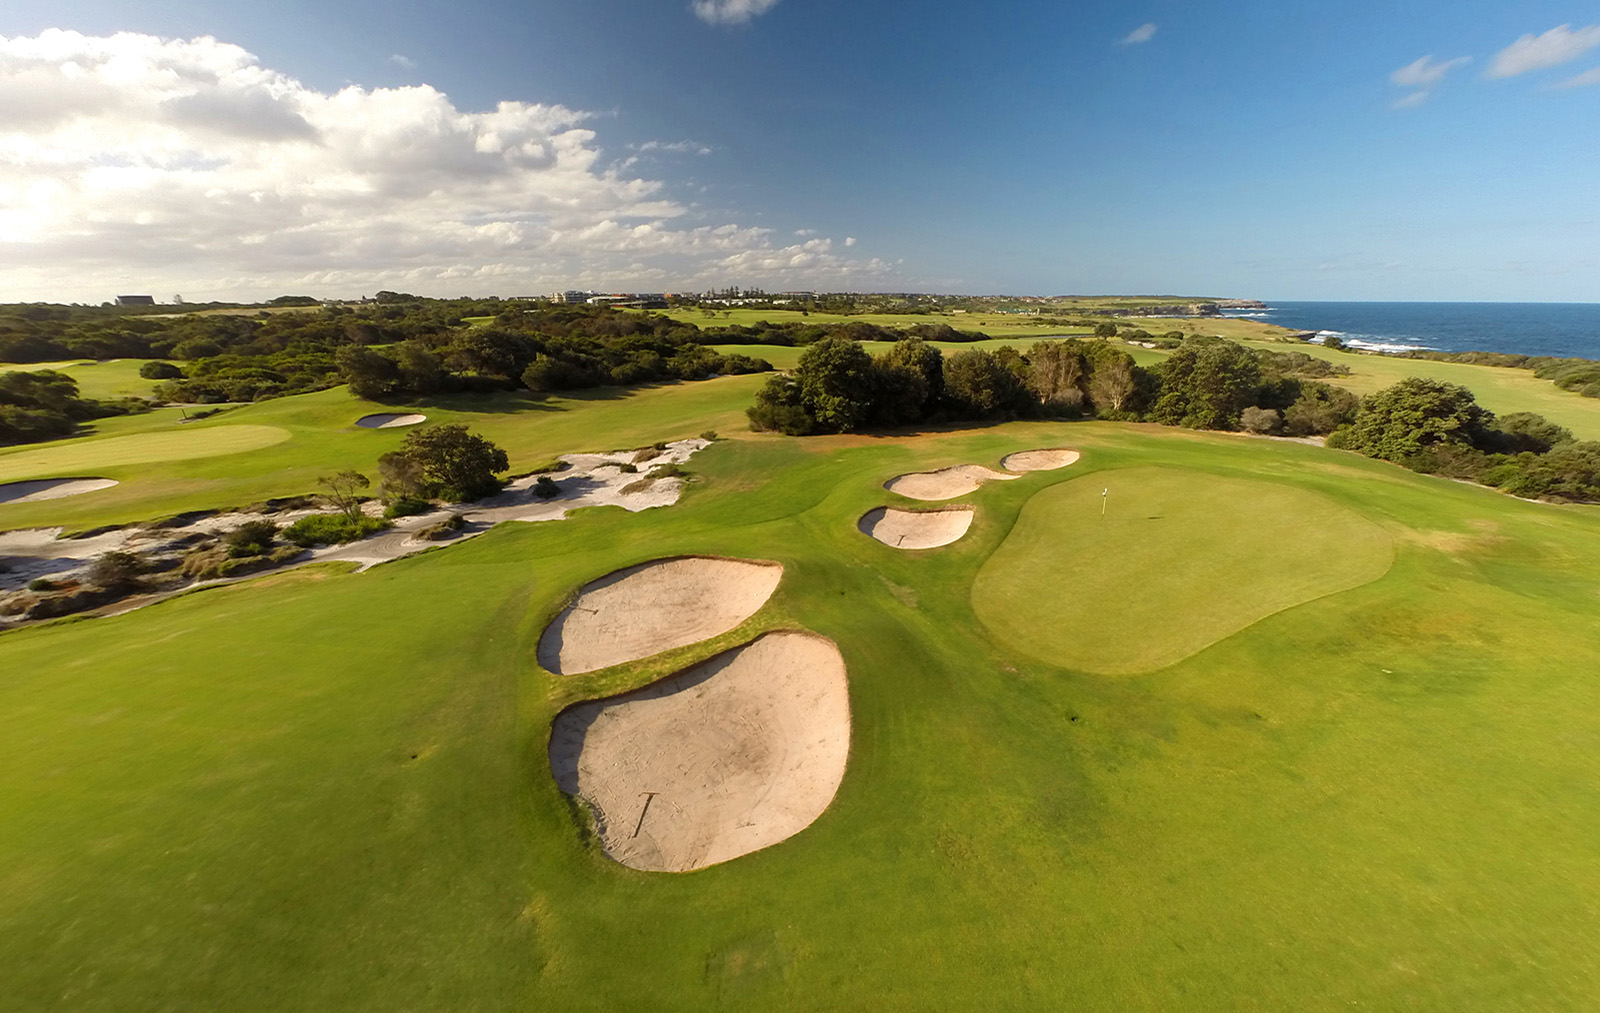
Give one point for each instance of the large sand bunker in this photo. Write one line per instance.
(51, 488)
(946, 483)
(1039, 460)
(725, 758)
(916, 529)
(389, 421)
(654, 607)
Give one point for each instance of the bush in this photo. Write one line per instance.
(710, 436)
(1260, 420)
(444, 529)
(332, 529)
(406, 506)
(117, 571)
(44, 584)
(160, 371)
(252, 538)
(668, 470)
(545, 487)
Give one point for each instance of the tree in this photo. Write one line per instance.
(778, 408)
(455, 463)
(1399, 421)
(421, 372)
(344, 490)
(977, 385)
(926, 361)
(1106, 329)
(371, 375)
(399, 476)
(1113, 380)
(1206, 384)
(1058, 375)
(160, 371)
(1528, 432)
(1319, 410)
(835, 381)
(1260, 420)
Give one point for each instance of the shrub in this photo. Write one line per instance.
(406, 506)
(252, 538)
(117, 571)
(160, 371)
(444, 529)
(44, 584)
(710, 436)
(545, 487)
(332, 529)
(628, 468)
(668, 470)
(1260, 420)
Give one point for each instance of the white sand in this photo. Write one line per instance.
(725, 758)
(654, 607)
(946, 483)
(1039, 460)
(389, 421)
(916, 529)
(51, 488)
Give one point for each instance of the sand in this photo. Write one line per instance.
(1039, 460)
(725, 758)
(654, 607)
(916, 529)
(389, 421)
(51, 488)
(946, 483)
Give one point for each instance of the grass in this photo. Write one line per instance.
(328, 790)
(102, 381)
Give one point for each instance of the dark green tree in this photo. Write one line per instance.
(456, 464)
(1399, 421)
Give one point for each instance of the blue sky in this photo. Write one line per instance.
(1268, 150)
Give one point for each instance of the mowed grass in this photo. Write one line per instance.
(330, 790)
(1209, 552)
(104, 380)
(141, 448)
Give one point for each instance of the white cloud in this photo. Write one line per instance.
(1583, 80)
(1536, 52)
(849, 240)
(676, 147)
(1424, 73)
(731, 12)
(1144, 33)
(401, 60)
(132, 162)
(1410, 101)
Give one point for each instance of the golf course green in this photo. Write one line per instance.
(1289, 729)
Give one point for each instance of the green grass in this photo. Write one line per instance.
(102, 381)
(1209, 554)
(329, 791)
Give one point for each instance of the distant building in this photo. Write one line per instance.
(136, 300)
(571, 296)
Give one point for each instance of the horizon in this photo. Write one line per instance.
(487, 148)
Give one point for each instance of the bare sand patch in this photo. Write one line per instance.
(725, 758)
(946, 483)
(654, 607)
(1039, 460)
(51, 488)
(389, 420)
(916, 529)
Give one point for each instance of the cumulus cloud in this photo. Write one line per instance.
(1559, 45)
(1425, 73)
(731, 12)
(146, 164)
(402, 60)
(1583, 80)
(1144, 33)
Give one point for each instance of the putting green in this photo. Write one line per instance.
(1180, 560)
(69, 458)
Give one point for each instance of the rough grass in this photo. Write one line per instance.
(1180, 560)
(327, 790)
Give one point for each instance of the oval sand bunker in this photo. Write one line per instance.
(946, 483)
(725, 758)
(389, 421)
(51, 488)
(654, 607)
(1039, 460)
(916, 529)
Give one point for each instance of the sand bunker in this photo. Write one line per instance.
(916, 529)
(725, 758)
(389, 421)
(1039, 460)
(946, 483)
(644, 610)
(51, 488)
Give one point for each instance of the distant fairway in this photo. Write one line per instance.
(71, 458)
(1181, 560)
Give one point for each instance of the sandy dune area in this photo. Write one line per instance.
(39, 490)
(725, 758)
(946, 483)
(1039, 460)
(654, 607)
(916, 529)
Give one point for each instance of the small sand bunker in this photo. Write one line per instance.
(946, 483)
(916, 529)
(389, 421)
(725, 758)
(51, 488)
(654, 607)
(1039, 460)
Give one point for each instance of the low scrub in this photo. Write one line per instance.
(332, 529)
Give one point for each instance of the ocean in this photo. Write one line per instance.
(1560, 329)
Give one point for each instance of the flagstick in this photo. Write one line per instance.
(1103, 496)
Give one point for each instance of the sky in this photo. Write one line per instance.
(1312, 151)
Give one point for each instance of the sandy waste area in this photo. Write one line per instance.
(654, 607)
(946, 483)
(732, 755)
(916, 529)
(39, 490)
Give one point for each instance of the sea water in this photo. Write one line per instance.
(1559, 329)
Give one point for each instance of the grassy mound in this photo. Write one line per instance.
(1180, 560)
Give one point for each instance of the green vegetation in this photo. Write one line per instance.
(331, 529)
(218, 802)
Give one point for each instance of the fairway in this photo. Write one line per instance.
(143, 448)
(1180, 560)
